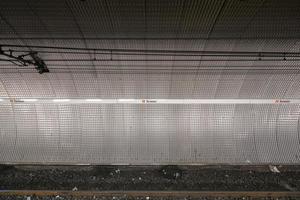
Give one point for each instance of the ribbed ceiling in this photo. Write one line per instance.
(229, 25)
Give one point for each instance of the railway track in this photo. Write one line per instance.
(192, 194)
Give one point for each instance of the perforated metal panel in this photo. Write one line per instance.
(151, 134)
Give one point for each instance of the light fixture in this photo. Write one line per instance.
(149, 101)
(61, 100)
(126, 100)
(94, 100)
(29, 100)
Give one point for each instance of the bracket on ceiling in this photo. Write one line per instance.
(21, 61)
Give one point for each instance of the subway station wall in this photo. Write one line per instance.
(149, 134)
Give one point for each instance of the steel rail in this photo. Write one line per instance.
(153, 193)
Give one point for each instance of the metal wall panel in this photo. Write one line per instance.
(219, 84)
(150, 134)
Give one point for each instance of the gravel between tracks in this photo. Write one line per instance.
(149, 178)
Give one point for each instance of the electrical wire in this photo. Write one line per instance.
(153, 55)
(161, 60)
(159, 51)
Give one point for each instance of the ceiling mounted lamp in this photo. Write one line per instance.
(94, 100)
(126, 100)
(29, 100)
(61, 100)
